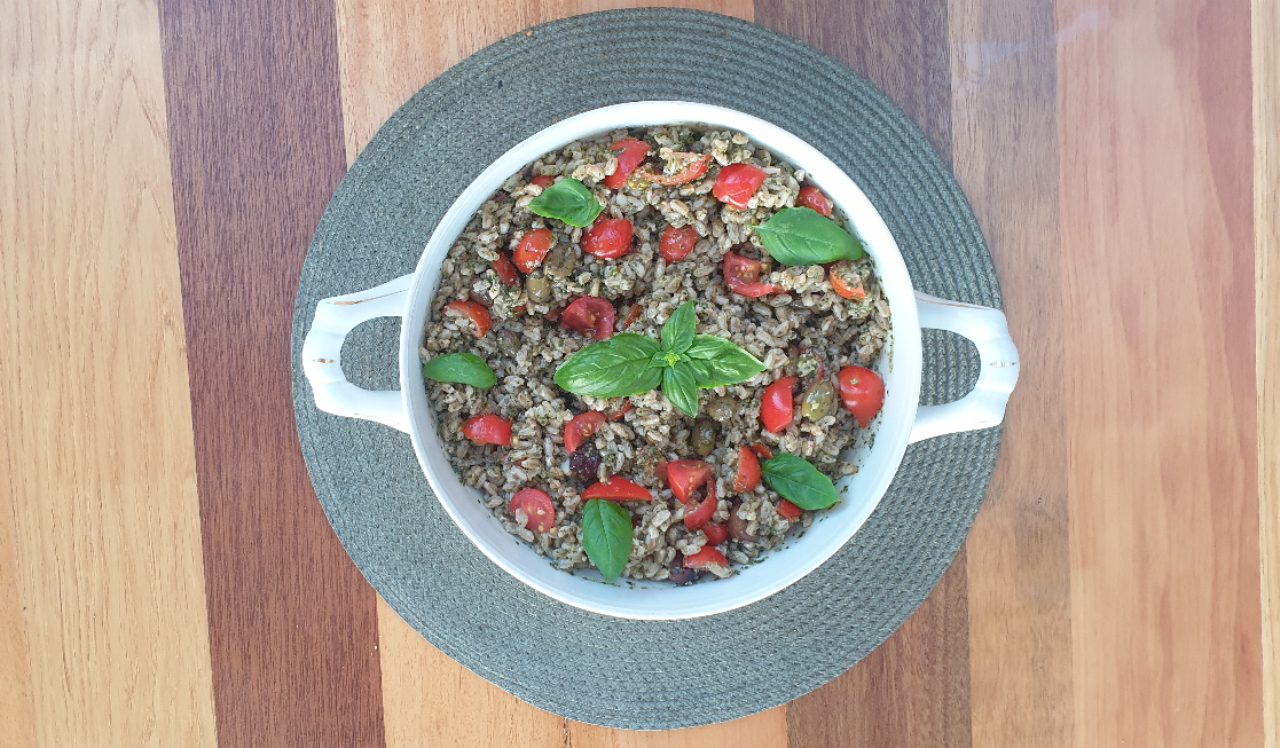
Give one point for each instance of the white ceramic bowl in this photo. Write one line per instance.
(902, 420)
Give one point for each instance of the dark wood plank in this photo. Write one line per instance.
(914, 689)
(1004, 141)
(256, 145)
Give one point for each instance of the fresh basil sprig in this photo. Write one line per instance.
(799, 482)
(462, 368)
(683, 362)
(802, 236)
(567, 200)
(606, 536)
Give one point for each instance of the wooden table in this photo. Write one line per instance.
(167, 577)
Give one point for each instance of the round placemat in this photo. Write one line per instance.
(585, 666)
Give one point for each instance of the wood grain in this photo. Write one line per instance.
(257, 148)
(1156, 237)
(1004, 137)
(103, 621)
(1266, 215)
(768, 729)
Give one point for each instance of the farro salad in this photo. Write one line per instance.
(650, 350)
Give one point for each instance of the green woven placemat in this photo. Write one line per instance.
(597, 669)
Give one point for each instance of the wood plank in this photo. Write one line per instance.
(1266, 216)
(1159, 366)
(914, 689)
(388, 49)
(103, 622)
(257, 148)
(1004, 137)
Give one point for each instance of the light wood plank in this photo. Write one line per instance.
(1266, 216)
(768, 729)
(1003, 140)
(94, 406)
(1157, 244)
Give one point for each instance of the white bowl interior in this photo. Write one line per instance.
(900, 366)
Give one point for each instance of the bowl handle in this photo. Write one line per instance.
(983, 407)
(322, 354)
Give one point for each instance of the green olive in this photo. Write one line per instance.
(704, 436)
(538, 288)
(560, 261)
(722, 408)
(818, 401)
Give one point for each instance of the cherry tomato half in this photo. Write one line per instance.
(633, 152)
(862, 392)
(488, 429)
(742, 276)
(775, 408)
(737, 183)
(540, 513)
(748, 476)
(675, 243)
(702, 513)
(706, 557)
(608, 238)
(616, 488)
(846, 281)
(761, 451)
(580, 427)
(685, 476)
(543, 180)
(531, 248)
(695, 166)
(478, 314)
(716, 534)
(812, 197)
(505, 270)
(589, 315)
(788, 511)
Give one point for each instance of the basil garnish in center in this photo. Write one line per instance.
(801, 236)
(462, 368)
(567, 200)
(606, 536)
(799, 482)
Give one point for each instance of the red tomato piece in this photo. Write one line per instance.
(748, 470)
(633, 152)
(616, 488)
(488, 429)
(624, 410)
(788, 511)
(761, 451)
(540, 513)
(580, 427)
(862, 392)
(505, 270)
(675, 243)
(478, 314)
(702, 513)
(716, 534)
(543, 180)
(775, 408)
(812, 197)
(531, 248)
(685, 476)
(737, 183)
(633, 314)
(608, 239)
(589, 315)
(660, 470)
(846, 281)
(706, 557)
(695, 166)
(742, 276)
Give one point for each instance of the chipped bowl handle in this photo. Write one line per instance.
(984, 406)
(322, 354)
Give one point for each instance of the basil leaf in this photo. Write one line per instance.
(611, 368)
(800, 236)
(606, 536)
(677, 332)
(680, 388)
(463, 368)
(567, 200)
(795, 480)
(718, 362)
